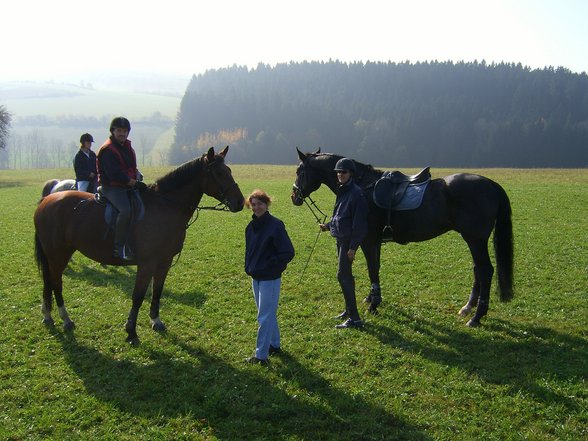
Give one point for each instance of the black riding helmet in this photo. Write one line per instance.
(86, 137)
(120, 122)
(345, 164)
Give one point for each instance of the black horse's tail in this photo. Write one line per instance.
(43, 265)
(48, 186)
(504, 246)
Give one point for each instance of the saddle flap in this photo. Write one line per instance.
(388, 193)
(392, 187)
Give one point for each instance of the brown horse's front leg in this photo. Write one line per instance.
(141, 285)
(158, 281)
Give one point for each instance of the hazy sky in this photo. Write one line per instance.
(48, 39)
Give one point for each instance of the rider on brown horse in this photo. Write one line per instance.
(117, 174)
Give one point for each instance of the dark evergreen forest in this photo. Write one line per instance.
(442, 114)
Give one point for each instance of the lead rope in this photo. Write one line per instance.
(318, 220)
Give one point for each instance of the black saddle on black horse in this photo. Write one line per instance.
(396, 191)
(390, 189)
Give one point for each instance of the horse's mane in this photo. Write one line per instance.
(365, 174)
(180, 176)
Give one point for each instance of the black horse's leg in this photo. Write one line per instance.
(144, 273)
(158, 281)
(371, 248)
(473, 299)
(483, 275)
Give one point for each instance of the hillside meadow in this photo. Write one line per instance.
(415, 372)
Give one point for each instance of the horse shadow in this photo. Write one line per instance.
(123, 277)
(232, 403)
(516, 356)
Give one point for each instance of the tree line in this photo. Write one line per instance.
(40, 141)
(441, 114)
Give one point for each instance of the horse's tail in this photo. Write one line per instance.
(48, 186)
(504, 246)
(43, 265)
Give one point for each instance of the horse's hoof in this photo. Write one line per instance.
(69, 326)
(133, 341)
(473, 323)
(159, 327)
(464, 311)
(48, 322)
(373, 309)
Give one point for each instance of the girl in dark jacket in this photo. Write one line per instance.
(268, 250)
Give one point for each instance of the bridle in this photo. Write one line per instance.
(221, 206)
(315, 210)
(313, 207)
(224, 204)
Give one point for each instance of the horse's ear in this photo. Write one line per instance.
(210, 154)
(317, 152)
(301, 155)
(224, 151)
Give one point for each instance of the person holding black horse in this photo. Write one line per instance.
(349, 226)
(85, 165)
(118, 174)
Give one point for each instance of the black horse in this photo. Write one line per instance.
(470, 204)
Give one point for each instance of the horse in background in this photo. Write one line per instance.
(71, 221)
(55, 185)
(472, 205)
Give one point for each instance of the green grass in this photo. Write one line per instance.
(415, 372)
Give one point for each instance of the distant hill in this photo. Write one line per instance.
(49, 117)
(390, 114)
(51, 100)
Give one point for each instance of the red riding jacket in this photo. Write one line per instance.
(117, 164)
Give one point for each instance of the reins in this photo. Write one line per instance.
(312, 210)
(319, 221)
(221, 206)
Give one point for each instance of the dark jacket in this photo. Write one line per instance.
(117, 164)
(84, 165)
(349, 221)
(268, 249)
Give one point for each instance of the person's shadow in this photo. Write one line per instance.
(232, 403)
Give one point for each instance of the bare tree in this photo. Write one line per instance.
(5, 119)
(35, 144)
(145, 146)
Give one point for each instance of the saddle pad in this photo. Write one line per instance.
(413, 197)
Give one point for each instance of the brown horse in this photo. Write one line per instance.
(73, 220)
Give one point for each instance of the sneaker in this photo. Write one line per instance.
(342, 316)
(350, 323)
(255, 360)
(275, 350)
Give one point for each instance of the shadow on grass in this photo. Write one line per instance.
(232, 403)
(521, 357)
(124, 278)
(11, 183)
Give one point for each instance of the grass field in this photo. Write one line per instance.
(416, 372)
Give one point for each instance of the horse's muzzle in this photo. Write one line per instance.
(296, 196)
